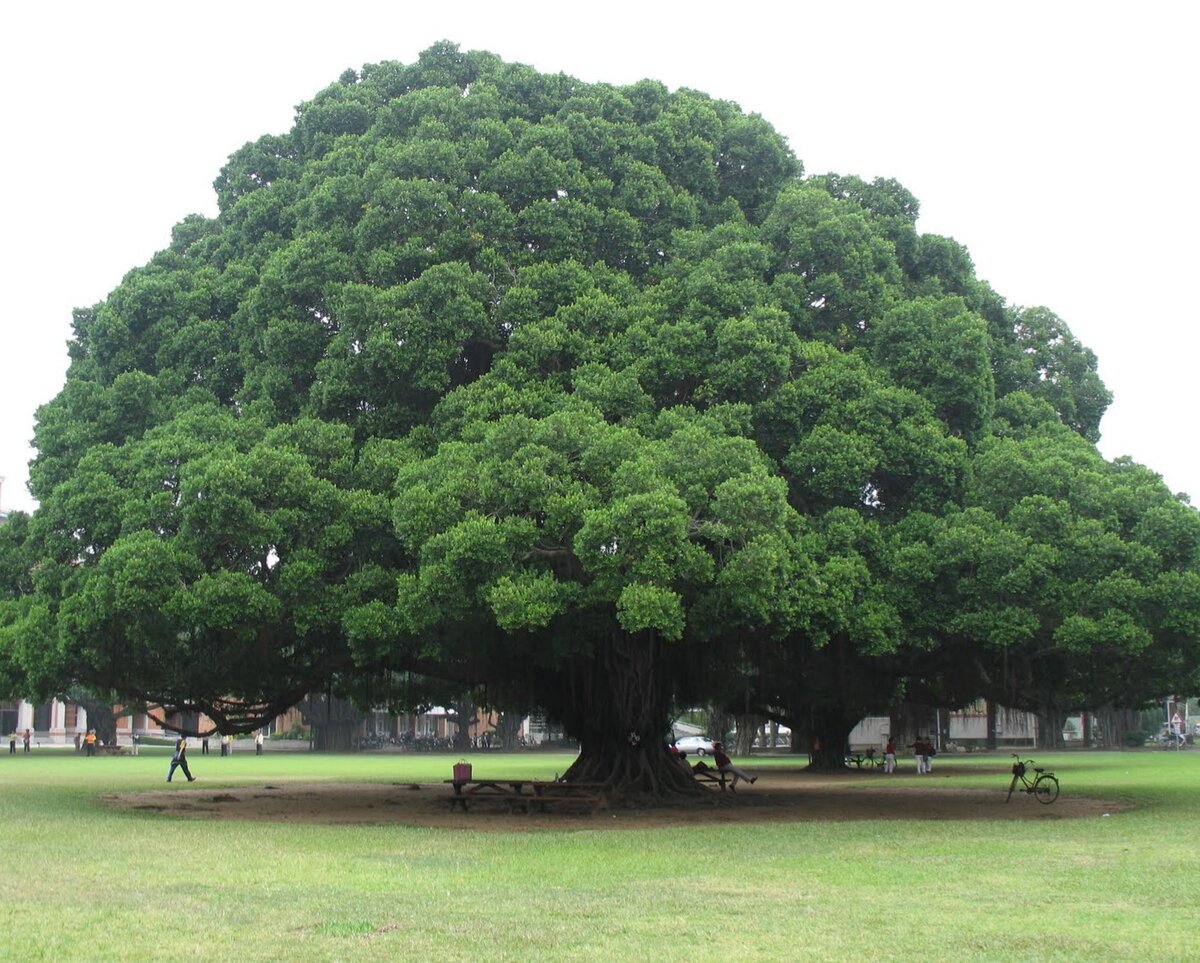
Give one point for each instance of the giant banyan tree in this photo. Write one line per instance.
(586, 395)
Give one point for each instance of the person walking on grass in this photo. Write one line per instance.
(180, 760)
(26, 737)
(922, 749)
(725, 764)
(258, 741)
(889, 755)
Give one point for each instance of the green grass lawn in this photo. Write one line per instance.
(82, 882)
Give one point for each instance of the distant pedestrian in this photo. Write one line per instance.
(258, 743)
(134, 741)
(180, 760)
(889, 755)
(12, 743)
(228, 741)
(204, 746)
(78, 741)
(922, 749)
(89, 742)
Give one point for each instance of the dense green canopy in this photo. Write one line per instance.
(587, 395)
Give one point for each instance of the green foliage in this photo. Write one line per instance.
(480, 371)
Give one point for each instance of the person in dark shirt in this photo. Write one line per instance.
(922, 749)
(180, 760)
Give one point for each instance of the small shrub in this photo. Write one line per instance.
(296, 732)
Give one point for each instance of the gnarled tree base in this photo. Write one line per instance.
(644, 776)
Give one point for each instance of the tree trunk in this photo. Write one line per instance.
(104, 721)
(942, 723)
(465, 715)
(336, 736)
(913, 720)
(720, 723)
(333, 721)
(100, 715)
(1050, 726)
(829, 738)
(507, 728)
(746, 728)
(1115, 723)
(619, 708)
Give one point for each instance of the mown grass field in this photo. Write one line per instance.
(84, 882)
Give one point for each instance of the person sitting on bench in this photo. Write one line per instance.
(725, 764)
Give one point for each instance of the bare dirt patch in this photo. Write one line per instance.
(778, 796)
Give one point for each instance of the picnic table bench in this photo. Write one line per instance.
(711, 775)
(527, 795)
(571, 795)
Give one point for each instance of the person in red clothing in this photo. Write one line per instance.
(725, 764)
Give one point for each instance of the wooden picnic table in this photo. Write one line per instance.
(587, 795)
(467, 790)
(711, 775)
(524, 793)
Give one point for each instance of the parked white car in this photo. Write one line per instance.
(700, 745)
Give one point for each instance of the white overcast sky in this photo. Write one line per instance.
(1056, 140)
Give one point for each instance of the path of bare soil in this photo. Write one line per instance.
(778, 796)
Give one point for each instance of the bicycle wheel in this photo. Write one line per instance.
(1045, 788)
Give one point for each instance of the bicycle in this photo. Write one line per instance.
(864, 760)
(1043, 786)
